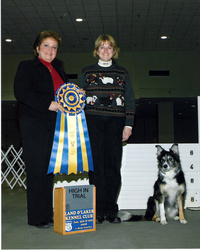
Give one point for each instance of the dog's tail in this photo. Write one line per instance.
(150, 211)
(136, 218)
(127, 216)
(151, 208)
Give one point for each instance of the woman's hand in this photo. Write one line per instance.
(54, 106)
(126, 133)
(82, 91)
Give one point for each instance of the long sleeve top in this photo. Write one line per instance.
(109, 92)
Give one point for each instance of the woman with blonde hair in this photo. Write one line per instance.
(110, 109)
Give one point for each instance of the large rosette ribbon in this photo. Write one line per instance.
(71, 151)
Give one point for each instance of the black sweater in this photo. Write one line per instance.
(109, 92)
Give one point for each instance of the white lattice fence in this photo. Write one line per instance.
(13, 167)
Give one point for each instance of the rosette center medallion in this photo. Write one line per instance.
(70, 98)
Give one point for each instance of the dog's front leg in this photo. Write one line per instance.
(163, 220)
(181, 210)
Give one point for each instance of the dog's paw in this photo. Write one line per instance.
(157, 219)
(176, 218)
(163, 222)
(183, 221)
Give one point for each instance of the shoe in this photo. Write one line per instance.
(113, 218)
(51, 223)
(43, 225)
(99, 219)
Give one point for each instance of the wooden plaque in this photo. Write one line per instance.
(75, 209)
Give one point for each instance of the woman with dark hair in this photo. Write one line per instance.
(110, 110)
(35, 85)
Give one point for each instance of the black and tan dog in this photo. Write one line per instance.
(168, 199)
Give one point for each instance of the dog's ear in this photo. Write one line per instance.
(159, 149)
(174, 148)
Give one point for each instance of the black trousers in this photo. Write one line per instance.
(37, 139)
(106, 143)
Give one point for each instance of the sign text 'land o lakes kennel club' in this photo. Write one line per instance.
(79, 208)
